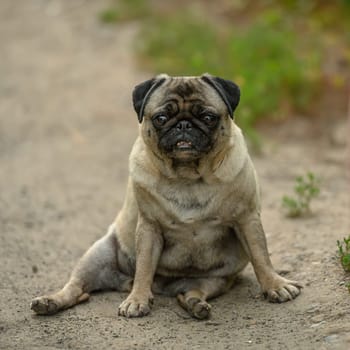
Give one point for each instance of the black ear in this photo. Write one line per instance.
(228, 91)
(142, 93)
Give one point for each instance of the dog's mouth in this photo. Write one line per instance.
(184, 145)
(185, 150)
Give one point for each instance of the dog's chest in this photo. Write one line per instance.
(191, 246)
(193, 230)
(188, 205)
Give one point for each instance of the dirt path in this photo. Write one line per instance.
(66, 128)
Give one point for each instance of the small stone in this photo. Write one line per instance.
(332, 338)
(317, 324)
(317, 319)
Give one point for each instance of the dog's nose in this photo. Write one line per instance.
(184, 125)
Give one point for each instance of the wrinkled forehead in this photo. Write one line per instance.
(185, 91)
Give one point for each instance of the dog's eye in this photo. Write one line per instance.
(160, 120)
(209, 119)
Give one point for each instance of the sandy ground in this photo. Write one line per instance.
(66, 128)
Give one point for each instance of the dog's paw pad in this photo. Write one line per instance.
(44, 306)
(198, 308)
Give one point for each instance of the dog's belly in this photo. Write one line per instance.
(201, 250)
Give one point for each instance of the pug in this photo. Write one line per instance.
(191, 217)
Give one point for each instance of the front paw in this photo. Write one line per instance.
(280, 290)
(136, 305)
(44, 305)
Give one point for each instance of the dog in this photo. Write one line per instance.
(191, 217)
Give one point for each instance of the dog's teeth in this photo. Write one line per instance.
(184, 144)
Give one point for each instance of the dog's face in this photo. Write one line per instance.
(184, 118)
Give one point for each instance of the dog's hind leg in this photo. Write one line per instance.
(194, 299)
(96, 270)
(193, 293)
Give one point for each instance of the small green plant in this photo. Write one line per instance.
(344, 254)
(124, 10)
(306, 188)
(109, 15)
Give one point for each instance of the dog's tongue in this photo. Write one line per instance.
(184, 144)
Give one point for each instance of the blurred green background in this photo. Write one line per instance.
(289, 57)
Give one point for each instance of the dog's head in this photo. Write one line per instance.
(184, 118)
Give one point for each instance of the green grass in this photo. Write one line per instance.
(344, 253)
(306, 189)
(273, 53)
(263, 59)
(344, 256)
(124, 10)
(109, 15)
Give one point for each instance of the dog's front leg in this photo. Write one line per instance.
(148, 247)
(251, 234)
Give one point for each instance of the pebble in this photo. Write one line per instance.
(317, 319)
(317, 324)
(331, 338)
